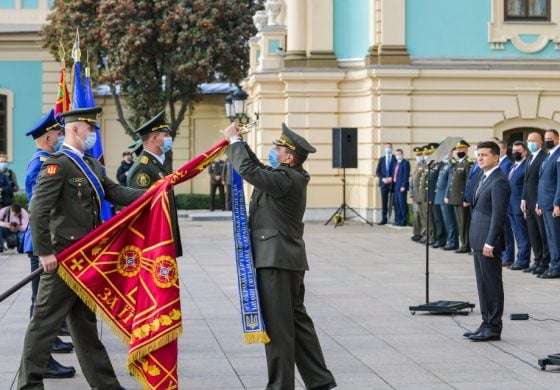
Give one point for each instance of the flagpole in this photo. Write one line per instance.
(21, 283)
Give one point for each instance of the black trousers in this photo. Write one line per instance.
(537, 237)
(488, 271)
(213, 187)
(385, 194)
(293, 340)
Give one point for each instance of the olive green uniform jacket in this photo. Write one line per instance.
(145, 171)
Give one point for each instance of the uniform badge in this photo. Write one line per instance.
(144, 160)
(42, 158)
(51, 169)
(143, 180)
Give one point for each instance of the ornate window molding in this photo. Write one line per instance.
(541, 33)
(6, 121)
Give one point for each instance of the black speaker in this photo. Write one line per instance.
(345, 147)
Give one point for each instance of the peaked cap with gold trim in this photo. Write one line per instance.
(88, 115)
(294, 141)
(157, 123)
(44, 125)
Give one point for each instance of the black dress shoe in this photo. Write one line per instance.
(57, 370)
(462, 250)
(60, 346)
(328, 386)
(533, 267)
(485, 335)
(469, 334)
(416, 237)
(422, 240)
(382, 223)
(550, 275)
(450, 248)
(516, 266)
(506, 263)
(541, 269)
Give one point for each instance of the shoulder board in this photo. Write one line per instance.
(453, 161)
(42, 158)
(144, 160)
(469, 159)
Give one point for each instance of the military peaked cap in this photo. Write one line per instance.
(462, 144)
(294, 141)
(88, 115)
(418, 150)
(157, 123)
(46, 123)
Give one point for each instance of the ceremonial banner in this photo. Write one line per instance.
(126, 271)
(251, 316)
(63, 100)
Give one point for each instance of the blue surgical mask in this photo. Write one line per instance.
(59, 142)
(388, 150)
(419, 158)
(273, 158)
(399, 158)
(3, 166)
(91, 138)
(167, 144)
(532, 146)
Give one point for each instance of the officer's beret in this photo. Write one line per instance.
(294, 141)
(157, 123)
(47, 123)
(462, 144)
(88, 115)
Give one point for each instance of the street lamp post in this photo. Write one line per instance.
(236, 108)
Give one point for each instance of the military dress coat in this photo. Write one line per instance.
(145, 171)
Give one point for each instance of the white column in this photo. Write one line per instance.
(296, 15)
(320, 34)
(388, 33)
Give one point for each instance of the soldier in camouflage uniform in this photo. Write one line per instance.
(456, 194)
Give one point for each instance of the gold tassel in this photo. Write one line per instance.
(256, 337)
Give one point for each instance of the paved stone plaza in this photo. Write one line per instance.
(361, 283)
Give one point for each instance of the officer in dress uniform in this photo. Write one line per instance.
(417, 228)
(148, 167)
(276, 212)
(437, 226)
(456, 194)
(48, 135)
(447, 211)
(65, 207)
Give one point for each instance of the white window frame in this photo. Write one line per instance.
(9, 121)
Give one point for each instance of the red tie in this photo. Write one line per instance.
(396, 171)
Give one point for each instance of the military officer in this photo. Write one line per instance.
(417, 228)
(437, 227)
(148, 167)
(456, 194)
(276, 212)
(65, 206)
(422, 197)
(48, 135)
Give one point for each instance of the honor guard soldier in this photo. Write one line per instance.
(65, 207)
(423, 198)
(456, 194)
(275, 221)
(148, 167)
(437, 226)
(417, 228)
(447, 212)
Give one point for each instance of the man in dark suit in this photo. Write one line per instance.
(548, 197)
(535, 223)
(216, 171)
(401, 181)
(516, 218)
(489, 212)
(384, 172)
(505, 165)
(275, 221)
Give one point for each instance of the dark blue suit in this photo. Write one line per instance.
(548, 182)
(509, 252)
(382, 172)
(489, 214)
(401, 175)
(515, 215)
(474, 176)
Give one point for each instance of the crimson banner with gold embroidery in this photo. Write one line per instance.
(126, 271)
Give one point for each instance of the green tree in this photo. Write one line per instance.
(155, 54)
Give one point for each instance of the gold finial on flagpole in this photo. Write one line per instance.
(61, 55)
(76, 54)
(87, 63)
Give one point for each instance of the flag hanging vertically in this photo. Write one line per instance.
(126, 271)
(62, 99)
(83, 98)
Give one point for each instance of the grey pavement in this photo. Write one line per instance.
(361, 283)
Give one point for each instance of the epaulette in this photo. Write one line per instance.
(42, 158)
(144, 160)
(453, 161)
(470, 160)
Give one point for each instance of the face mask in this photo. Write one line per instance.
(167, 144)
(273, 158)
(399, 158)
(549, 144)
(419, 158)
(517, 156)
(3, 165)
(91, 138)
(388, 150)
(461, 154)
(532, 146)
(59, 142)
